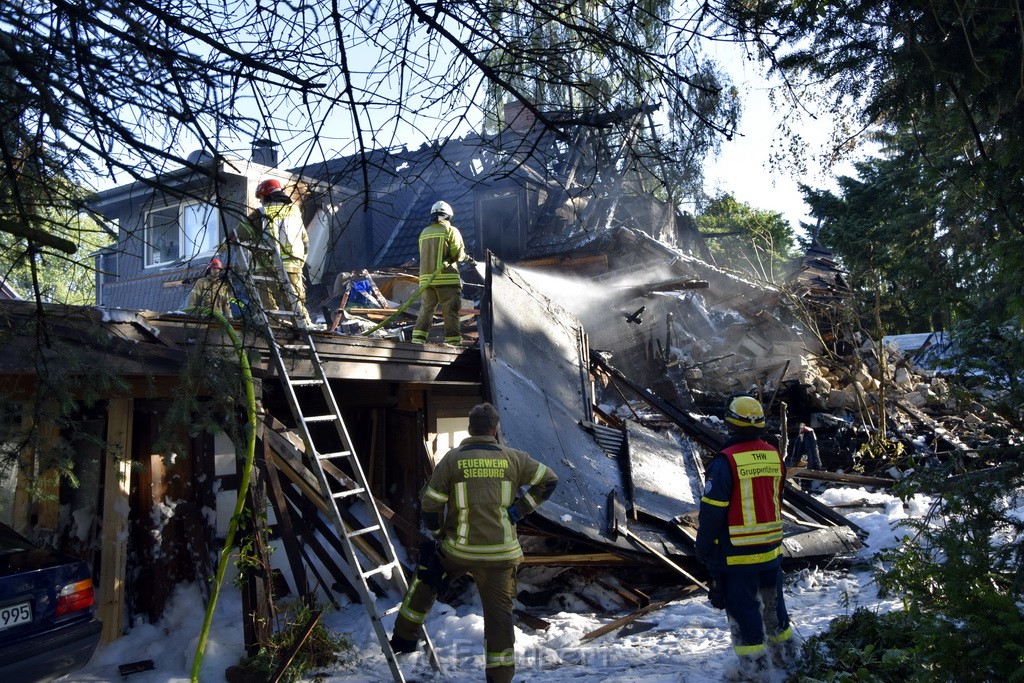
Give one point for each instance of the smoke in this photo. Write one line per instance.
(591, 299)
(732, 330)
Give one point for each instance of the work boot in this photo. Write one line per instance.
(402, 645)
(499, 674)
(750, 668)
(785, 654)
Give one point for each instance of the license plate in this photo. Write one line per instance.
(12, 615)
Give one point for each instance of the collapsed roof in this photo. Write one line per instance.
(537, 360)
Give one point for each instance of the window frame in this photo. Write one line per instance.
(187, 246)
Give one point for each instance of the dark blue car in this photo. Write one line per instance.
(48, 624)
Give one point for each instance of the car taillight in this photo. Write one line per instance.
(74, 597)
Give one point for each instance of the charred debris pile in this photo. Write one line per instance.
(612, 363)
(693, 335)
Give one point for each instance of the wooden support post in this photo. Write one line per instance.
(37, 493)
(116, 483)
(21, 511)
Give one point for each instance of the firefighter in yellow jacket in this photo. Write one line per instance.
(441, 250)
(739, 538)
(471, 505)
(212, 292)
(277, 221)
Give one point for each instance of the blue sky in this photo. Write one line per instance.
(743, 167)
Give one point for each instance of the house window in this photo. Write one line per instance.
(501, 224)
(199, 229)
(106, 271)
(181, 232)
(162, 239)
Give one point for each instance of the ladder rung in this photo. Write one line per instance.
(391, 610)
(264, 278)
(321, 418)
(293, 347)
(381, 569)
(336, 454)
(306, 382)
(348, 492)
(283, 314)
(256, 246)
(364, 531)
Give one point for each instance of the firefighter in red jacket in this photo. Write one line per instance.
(739, 538)
(471, 505)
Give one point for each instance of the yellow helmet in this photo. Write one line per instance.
(744, 411)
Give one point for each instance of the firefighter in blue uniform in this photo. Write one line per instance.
(739, 538)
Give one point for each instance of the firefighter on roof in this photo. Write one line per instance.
(278, 221)
(441, 250)
(212, 292)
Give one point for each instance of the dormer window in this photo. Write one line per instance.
(183, 231)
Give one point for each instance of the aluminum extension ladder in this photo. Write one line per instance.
(329, 452)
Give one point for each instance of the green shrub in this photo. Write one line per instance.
(323, 649)
(960, 573)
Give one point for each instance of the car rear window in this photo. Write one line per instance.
(10, 542)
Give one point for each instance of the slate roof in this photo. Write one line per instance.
(404, 184)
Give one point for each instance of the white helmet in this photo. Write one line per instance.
(442, 208)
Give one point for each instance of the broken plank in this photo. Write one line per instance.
(536, 623)
(703, 434)
(937, 429)
(841, 478)
(636, 614)
(630, 597)
(577, 559)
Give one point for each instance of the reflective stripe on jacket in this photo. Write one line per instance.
(475, 484)
(281, 223)
(441, 246)
(211, 294)
(287, 229)
(740, 522)
(755, 511)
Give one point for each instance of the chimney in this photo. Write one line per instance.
(518, 117)
(264, 152)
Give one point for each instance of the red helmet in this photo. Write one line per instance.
(215, 263)
(268, 187)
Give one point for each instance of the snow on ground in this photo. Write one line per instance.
(685, 642)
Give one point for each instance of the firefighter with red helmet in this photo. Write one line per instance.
(212, 292)
(277, 220)
(739, 539)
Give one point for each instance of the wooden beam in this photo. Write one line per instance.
(116, 483)
(836, 477)
(577, 559)
(21, 512)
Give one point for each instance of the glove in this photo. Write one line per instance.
(513, 515)
(716, 591)
(430, 570)
(432, 523)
